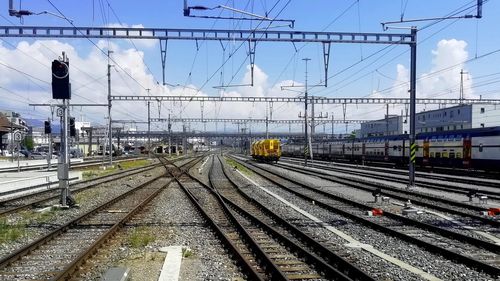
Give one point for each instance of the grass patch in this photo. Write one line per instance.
(238, 166)
(140, 237)
(89, 173)
(9, 232)
(37, 217)
(187, 252)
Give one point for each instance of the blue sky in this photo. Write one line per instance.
(355, 72)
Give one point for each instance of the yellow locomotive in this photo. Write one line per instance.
(267, 150)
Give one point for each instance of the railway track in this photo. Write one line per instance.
(39, 198)
(393, 175)
(276, 225)
(461, 248)
(263, 255)
(440, 171)
(59, 254)
(425, 200)
(79, 165)
(281, 237)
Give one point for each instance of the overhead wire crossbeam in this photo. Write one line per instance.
(204, 34)
(315, 100)
(239, 120)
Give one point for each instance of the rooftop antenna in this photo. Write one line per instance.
(478, 15)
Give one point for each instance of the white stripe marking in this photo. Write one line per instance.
(352, 242)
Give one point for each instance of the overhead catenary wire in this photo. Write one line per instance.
(237, 48)
(99, 48)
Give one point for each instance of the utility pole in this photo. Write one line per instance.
(202, 106)
(49, 157)
(12, 137)
(63, 173)
(267, 122)
(149, 125)
(413, 97)
(387, 119)
(307, 142)
(313, 123)
(169, 137)
(110, 130)
(462, 97)
(333, 121)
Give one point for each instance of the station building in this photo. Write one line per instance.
(466, 116)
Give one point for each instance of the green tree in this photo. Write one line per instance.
(28, 143)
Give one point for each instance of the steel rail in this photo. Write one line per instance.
(89, 163)
(444, 232)
(392, 192)
(492, 270)
(432, 185)
(55, 190)
(334, 265)
(70, 268)
(28, 248)
(53, 182)
(241, 260)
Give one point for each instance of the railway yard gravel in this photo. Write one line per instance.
(438, 193)
(410, 254)
(38, 224)
(459, 224)
(173, 220)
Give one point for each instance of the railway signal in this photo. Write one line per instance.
(47, 128)
(61, 88)
(72, 129)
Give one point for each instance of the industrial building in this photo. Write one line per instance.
(394, 125)
(466, 116)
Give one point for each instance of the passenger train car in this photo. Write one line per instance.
(267, 150)
(471, 148)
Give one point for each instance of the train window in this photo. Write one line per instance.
(395, 147)
(459, 155)
(452, 154)
(432, 154)
(445, 154)
(400, 147)
(438, 154)
(480, 147)
(482, 109)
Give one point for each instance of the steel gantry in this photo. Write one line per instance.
(241, 120)
(252, 36)
(311, 100)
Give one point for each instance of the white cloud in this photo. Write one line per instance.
(449, 56)
(441, 81)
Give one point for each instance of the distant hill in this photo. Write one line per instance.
(37, 123)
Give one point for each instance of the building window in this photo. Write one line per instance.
(444, 114)
(458, 112)
(482, 109)
(451, 114)
(482, 125)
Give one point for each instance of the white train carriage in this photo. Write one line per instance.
(472, 148)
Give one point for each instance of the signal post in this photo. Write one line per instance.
(61, 89)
